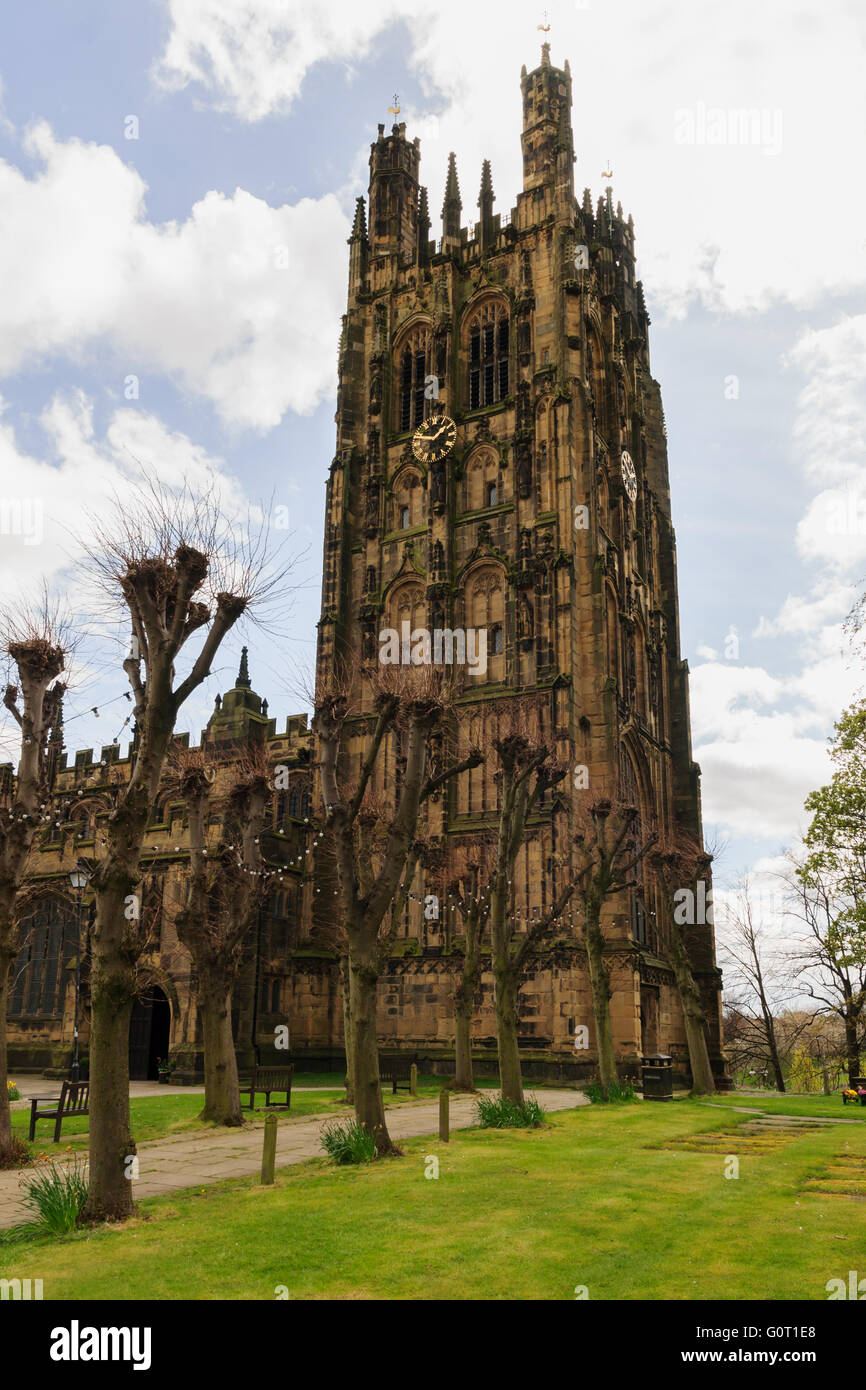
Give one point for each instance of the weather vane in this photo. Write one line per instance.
(545, 28)
(607, 173)
(395, 109)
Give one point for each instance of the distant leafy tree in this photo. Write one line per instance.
(829, 883)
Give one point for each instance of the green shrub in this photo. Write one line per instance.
(15, 1155)
(55, 1195)
(348, 1142)
(496, 1112)
(617, 1090)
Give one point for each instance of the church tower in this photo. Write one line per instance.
(546, 523)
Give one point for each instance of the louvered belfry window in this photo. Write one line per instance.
(414, 368)
(488, 356)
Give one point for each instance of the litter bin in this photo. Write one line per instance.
(657, 1074)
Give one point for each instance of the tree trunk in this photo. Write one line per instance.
(703, 1081)
(111, 1143)
(851, 1048)
(599, 977)
(774, 1057)
(222, 1101)
(5, 1112)
(464, 999)
(505, 997)
(364, 1050)
(463, 1079)
(347, 1028)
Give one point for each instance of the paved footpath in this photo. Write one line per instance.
(774, 1118)
(194, 1160)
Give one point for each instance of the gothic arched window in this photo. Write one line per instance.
(407, 500)
(488, 355)
(413, 365)
(407, 605)
(485, 608)
(481, 484)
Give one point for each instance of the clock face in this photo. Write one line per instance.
(629, 477)
(434, 439)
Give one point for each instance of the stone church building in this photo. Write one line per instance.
(500, 468)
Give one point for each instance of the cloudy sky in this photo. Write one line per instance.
(176, 184)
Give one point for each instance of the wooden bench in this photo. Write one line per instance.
(73, 1100)
(397, 1070)
(270, 1081)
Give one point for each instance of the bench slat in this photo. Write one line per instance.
(74, 1099)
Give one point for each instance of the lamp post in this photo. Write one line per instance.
(78, 878)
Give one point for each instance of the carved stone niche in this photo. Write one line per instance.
(371, 507)
(375, 384)
(526, 567)
(437, 561)
(525, 621)
(437, 492)
(524, 472)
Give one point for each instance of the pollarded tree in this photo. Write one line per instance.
(36, 642)
(526, 772)
(679, 861)
(227, 883)
(178, 569)
(467, 896)
(371, 857)
(609, 853)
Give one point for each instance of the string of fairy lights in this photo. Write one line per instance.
(456, 906)
(453, 903)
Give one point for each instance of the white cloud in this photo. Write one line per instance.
(79, 477)
(241, 302)
(252, 55)
(719, 690)
(761, 740)
(830, 438)
(800, 616)
(721, 222)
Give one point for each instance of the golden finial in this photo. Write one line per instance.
(395, 109)
(607, 173)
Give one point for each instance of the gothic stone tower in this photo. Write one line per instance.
(548, 524)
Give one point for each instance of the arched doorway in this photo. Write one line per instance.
(148, 1034)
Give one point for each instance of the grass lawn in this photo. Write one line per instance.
(156, 1117)
(818, 1107)
(603, 1197)
(428, 1084)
